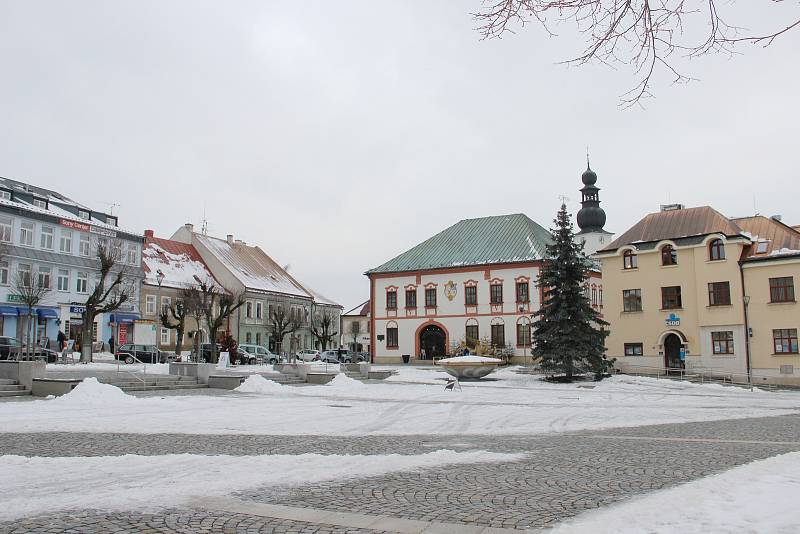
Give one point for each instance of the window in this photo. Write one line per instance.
(116, 250)
(594, 295)
(26, 234)
(392, 340)
(781, 289)
(632, 300)
(523, 334)
(719, 294)
(4, 273)
(82, 281)
(391, 300)
(46, 241)
(671, 298)
(164, 336)
(258, 338)
(496, 293)
(634, 349)
(5, 195)
(669, 256)
(471, 335)
(24, 274)
(65, 243)
(150, 304)
(269, 310)
(600, 295)
(132, 254)
(5, 230)
(629, 260)
(44, 276)
(84, 245)
(430, 297)
(111, 220)
(248, 307)
(63, 280)
(785, 340)
(411, 298)
(716, 250)
(471, 295)
(166, 302)
(522, 292)
(761, 248)
(248, 337)
(84, 214)
(722, 342)
(498, 335)
(259, 309)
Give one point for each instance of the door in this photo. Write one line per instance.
(432, 341)
(672, 352)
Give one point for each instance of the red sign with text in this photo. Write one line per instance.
(123, 334)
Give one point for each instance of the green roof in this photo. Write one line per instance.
(485, 241)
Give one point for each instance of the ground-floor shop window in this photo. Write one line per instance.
(248, 337)
(164, 336)
(785, 340)
(722, 342)
(634, 349)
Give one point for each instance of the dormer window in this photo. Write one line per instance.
(111, 220)
(716, 250)
(39, 203)
(629, 260)
(761, 248)
(5, 195)
(83, 214)
(669, 256)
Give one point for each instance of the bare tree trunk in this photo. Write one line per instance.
(86, 340)
(178, 342)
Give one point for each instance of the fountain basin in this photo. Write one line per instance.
(469, 366)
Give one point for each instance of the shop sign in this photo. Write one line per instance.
(673, 320)
(102, 231)
(123, 334)
(83, 227)
(77, 309)
(683, 354)
(126, 307)
(14, 298)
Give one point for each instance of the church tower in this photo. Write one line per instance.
(591, 217)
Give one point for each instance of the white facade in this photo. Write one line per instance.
(452, 314)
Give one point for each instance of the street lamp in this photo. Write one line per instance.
(746, 301)
(159, 308)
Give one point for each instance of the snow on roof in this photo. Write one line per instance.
(57, 211)
(179, 263)
(360, 310)
(253, 267)
(321, 299)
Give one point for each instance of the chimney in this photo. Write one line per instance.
(229, 239)
(148, 233)
(189, 226)
(776, 218)
(238, 241)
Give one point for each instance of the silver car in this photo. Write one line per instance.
(256, 354)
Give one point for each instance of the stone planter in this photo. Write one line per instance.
(225, 381)
(42, 387)
(23, 371)
(378, 375)
(469, 367)
(319, 378)
(200, 370)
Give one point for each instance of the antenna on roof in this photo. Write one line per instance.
(563, 198)
(287, 267)
(112, 206)
(204, 226)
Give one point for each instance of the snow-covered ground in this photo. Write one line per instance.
(34, 486)
(753, 498)
(512, 404)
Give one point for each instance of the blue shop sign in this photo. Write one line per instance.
(673, 320)
(77, 309)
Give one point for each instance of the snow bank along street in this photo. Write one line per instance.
(509, 453)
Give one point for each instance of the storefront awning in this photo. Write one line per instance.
(8, 310)
(47, 313)
(124, 318)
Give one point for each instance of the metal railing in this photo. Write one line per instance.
(714, 376)
(131, 373)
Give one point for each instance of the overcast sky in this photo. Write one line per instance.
(336, 135)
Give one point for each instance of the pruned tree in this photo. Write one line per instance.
(216, 306)
(29, 291)
(192, 298)
(282, 324)
(355, 331)
(644, 34)
(568, 334)
(175, 317)
(324, 328)
(114, 288)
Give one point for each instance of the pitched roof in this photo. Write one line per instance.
(253, 267)
(360, 310)
(179, 262)
(319, 298)
(674, 224)
(778, 239)
(484, 241)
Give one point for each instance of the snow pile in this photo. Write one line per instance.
(92, 392)
(147, 483)
(259, 384)
(757, 497)
(622, 382)
(469, 359)
(342, 382)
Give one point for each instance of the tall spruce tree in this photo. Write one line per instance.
(568, 335)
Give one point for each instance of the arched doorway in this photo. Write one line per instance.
(672, 352)
(432, 340)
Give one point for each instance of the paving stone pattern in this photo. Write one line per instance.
(561, 476)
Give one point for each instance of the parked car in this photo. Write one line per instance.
(12, 349)
(205, 351)
(130, 353)
(308, 355)
(256, 354)
(329, 356)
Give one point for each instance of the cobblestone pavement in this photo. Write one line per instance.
(561, 476)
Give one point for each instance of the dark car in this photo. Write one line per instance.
(131, 353)
(346, 356)
(205, 351)
(12, 349)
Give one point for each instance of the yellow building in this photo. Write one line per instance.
(692, 289)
